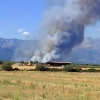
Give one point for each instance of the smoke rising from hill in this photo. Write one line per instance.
(63, 28)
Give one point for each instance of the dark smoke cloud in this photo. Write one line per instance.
(63, 27)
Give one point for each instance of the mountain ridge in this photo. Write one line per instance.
(7, 47)
(87, 52)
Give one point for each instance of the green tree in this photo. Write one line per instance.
(40, 67)
(7, 66)
(70, 68)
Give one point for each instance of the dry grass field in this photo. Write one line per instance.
(31, 67)
(24, 67)
(34, 85)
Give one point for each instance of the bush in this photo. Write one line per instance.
(54, 69)
(92, 70)
(7, 66)
(69, 68)
(40, 68)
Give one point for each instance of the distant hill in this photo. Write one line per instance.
(87, 52)
(7, 48)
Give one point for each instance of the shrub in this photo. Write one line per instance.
(69, 68)
(78, 69)
(6, 66)
(53, 69)
(40, 68)
(92, 70)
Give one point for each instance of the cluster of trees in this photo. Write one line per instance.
(28, 63)
(67, 68)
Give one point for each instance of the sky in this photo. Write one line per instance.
(22, 18)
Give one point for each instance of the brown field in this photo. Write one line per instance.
(31, 67)
(34, 85)
(24, 67)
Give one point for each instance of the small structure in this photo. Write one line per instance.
(55, 63)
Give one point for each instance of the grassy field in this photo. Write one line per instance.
(33, 85)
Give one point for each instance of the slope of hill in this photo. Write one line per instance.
(7, 48)
(87, 52)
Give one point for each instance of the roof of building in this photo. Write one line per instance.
(59, 62)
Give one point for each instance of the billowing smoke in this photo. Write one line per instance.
(63, 28)
(25, 51)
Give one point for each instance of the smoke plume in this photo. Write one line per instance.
(63, 28)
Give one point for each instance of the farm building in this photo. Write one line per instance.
(54, 63)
